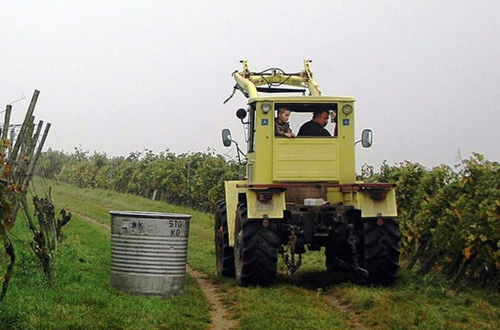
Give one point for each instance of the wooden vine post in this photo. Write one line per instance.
(18, 158)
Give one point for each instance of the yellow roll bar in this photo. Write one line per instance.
(249, 81)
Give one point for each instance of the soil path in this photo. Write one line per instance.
(220, 317)
(354, 320)
(94, 221)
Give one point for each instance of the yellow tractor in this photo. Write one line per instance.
(300, 191)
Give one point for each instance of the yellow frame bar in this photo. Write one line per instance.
(249, 82)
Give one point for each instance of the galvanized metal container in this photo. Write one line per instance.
(149, 252)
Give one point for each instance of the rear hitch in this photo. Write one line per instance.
(288, 253)
(352, 240)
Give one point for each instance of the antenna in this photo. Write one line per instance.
(19, 99)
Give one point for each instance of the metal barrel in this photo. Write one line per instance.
(149, 252)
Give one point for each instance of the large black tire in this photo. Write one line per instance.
(224, 253)
(255, 250)
(381, 250)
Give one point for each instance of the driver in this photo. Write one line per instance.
(316, 126)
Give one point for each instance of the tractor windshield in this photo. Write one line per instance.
(313, 118)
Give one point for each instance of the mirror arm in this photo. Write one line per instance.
(239, 152)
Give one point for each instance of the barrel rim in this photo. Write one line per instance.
(150, 215)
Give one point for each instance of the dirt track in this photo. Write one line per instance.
(354, 320)
(220, 316)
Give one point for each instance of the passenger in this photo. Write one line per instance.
(315, 127)
(281, 125)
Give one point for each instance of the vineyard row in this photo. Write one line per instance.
(449, 217)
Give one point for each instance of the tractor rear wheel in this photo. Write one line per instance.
(223, 252)
(381, 238)
(255, 250)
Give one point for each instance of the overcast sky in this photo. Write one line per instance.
(121, 76)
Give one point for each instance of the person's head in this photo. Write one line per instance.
(321, 117)
(283, 115)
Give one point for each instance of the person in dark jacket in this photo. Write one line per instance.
(316, 126)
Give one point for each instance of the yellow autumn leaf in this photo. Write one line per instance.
(467, 253)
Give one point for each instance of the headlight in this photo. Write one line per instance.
(266, 107)
(347, 109)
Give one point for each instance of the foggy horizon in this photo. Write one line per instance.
(121, 77)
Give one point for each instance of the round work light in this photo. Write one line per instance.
(266, 107)
(347, 109)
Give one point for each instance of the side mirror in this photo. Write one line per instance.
(366, 138)
(226, 137)
(241, 113)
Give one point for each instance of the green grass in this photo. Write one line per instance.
(81, 296)
(278, 305)
(424, 302)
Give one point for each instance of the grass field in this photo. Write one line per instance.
(80, 296)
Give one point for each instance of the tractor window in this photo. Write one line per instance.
(302, 113)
